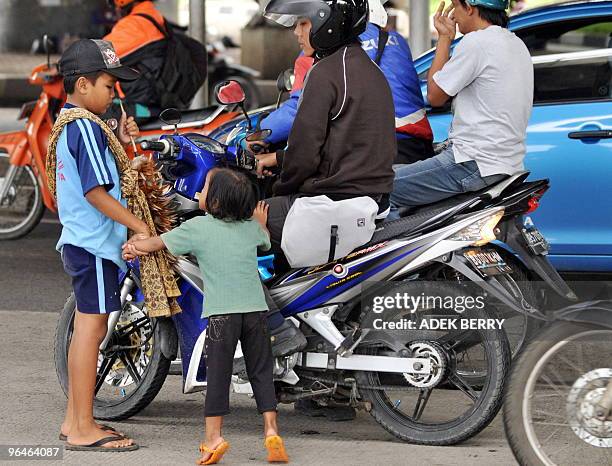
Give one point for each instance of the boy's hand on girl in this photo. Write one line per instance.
(261, 213)
(130, 251)
(127, 129)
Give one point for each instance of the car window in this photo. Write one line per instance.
(573, 77)
(568, 36)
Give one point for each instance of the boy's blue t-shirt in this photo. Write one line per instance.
(84, 161)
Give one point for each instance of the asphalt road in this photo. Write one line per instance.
(32, 277)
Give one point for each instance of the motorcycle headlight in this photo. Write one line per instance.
(480, 232)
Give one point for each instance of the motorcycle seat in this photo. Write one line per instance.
(433, 214)
(188, 118)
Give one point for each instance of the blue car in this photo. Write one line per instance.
(569, 139)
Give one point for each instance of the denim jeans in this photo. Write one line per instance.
(435, 179)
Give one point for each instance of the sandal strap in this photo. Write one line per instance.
(104, 441)
(205, 449)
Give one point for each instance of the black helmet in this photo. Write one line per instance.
(334, 22)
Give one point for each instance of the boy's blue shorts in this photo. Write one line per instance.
(95, 281)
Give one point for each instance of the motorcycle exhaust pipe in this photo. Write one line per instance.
(113, 318)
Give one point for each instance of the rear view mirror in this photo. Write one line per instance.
(285, 81)
(170, 116)
(47, 48)
(230, 93)
(259, 135)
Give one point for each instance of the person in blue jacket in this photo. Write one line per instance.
(414, 134)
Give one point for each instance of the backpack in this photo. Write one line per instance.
(184, 70)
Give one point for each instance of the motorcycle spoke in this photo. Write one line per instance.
(462, 385)
(553, 386)
(131, 367)
(132, 327)
(421, 403)
(461, 341)
(105, 367)
(552, 424)
(570, 364)
(546, 413)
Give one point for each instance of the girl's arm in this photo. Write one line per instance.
(141, 247)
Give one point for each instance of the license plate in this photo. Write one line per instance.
(536, 243)
(487, 262)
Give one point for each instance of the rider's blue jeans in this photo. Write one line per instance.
(435, 179)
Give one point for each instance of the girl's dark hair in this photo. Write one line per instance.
(70, 81)
(230, 196)
(495, 17)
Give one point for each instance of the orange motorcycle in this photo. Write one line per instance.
(24, 193)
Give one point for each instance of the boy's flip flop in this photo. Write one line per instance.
(98, 446)
(215, 454)
(276, 449)
(104, 427)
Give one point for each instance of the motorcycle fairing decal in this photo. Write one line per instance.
(330, 265)
(320, 293)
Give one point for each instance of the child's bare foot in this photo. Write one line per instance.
(212, 450)
(93, 434)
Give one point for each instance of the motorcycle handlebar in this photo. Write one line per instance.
(163, 146)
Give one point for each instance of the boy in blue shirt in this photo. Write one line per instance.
(95, 219)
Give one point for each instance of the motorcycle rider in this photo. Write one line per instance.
(138, 42)
(491, 78)
(342, 143)
(392, 53)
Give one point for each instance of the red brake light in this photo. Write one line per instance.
(533, 204)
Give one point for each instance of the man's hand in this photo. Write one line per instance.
(127, 129)
(261, 213)
(265, 161)
(444, 22)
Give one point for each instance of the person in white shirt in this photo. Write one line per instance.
(490, 77)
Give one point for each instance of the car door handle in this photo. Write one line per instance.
(603, 134)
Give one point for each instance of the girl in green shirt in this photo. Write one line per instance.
(225, 243)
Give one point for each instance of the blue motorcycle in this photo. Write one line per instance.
(365, 346)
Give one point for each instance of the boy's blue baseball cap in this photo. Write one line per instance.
(89, 55)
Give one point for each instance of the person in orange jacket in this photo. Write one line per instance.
(140, 45)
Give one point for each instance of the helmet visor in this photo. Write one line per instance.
(287, 21)
(287, 12)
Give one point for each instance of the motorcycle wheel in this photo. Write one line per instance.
(402, 404)
(549, 403)
(23, 208)
(251, 91)
(118, 397)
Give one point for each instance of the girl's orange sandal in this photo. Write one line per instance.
(276, 449)
(215, 454)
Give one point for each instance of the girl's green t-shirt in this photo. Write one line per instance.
(227, 256)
